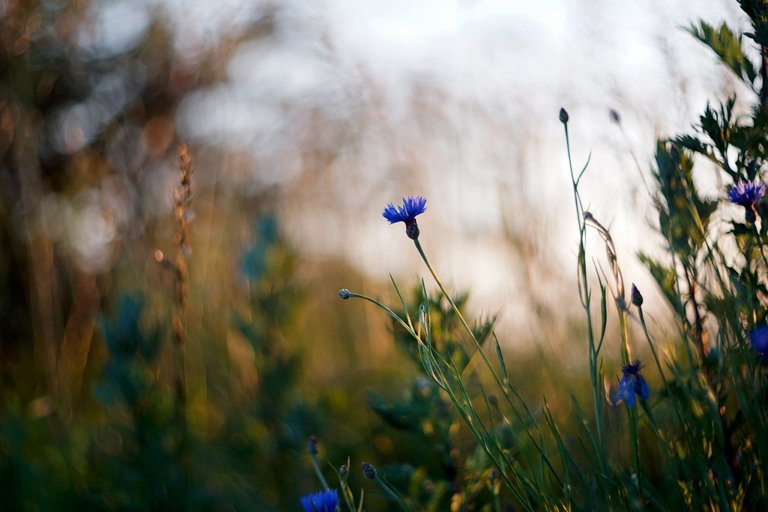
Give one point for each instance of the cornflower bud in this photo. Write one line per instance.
(369, 470)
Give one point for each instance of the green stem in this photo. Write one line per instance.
(389, 312)
(577, 202)
(586, 303)
(393, 495)
(760, 245)
(635, 440)
(458, 313)
(632, 412)
(318, 472)
(499, 383)
(651, 344)
(345, 491)
(626, 355)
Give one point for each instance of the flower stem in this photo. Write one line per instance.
(626, 354)
(503, 386)
(456, 309)
(651, 344)
(393, 494)
(635, 440)
(760, 245)
(318, 472)
(345, 490)
(389, 312)
(586, 301)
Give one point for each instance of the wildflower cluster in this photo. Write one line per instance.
(709, 386)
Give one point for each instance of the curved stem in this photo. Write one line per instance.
(505, 388)
(458, 313)
(391, 493)
(389, 312)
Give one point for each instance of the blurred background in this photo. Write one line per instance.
(302, 121)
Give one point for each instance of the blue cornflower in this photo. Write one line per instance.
(746, 194)
(323, 501)
(412, 206)
(758, 336)
(632, 384)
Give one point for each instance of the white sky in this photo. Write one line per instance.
(456, 101)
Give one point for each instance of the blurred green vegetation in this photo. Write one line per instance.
(101, 409)
(89, 415)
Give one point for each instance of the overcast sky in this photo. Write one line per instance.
(456, 101)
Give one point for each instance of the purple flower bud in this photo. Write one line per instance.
(312, 445)
(369, 470)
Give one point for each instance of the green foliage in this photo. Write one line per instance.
(463, 427)
(148, 461)
(127, 374)
(728, 47)
(666, 279)
(427, 416)
(683, 214)
(136, 447)
(698, 442)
